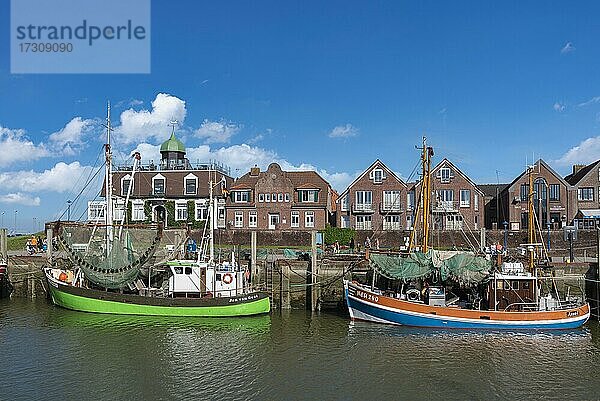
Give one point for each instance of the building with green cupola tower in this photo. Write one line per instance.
(173, 190)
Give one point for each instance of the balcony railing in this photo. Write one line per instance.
(362, 208)
(444, 206)
(390, 207)
(393, 225)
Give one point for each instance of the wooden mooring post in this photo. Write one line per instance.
(3, 244)
(314, 273)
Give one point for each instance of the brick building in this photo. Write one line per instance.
(457, 202)
(174, 191)
(280, 200)
(376, 200)
(555, 200)
(586, 182)
(493, 211)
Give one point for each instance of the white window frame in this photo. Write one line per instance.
(377, 175)
(392, 222)
(476, 201)
(239, 220)
(344, 202)
(364, 200)
(465, 202)
(391, 200)
(309, 219)
(295, 219)
(119, 209)
(364, 222)
(267, 197)
(156, 178)
(588, 191)
(96, 210)
(280, 197)
(201, 209)
(261, 198)
(241, 196)
(345, 222)
(252, 219)
(445, 174)
(308, 195)
(126, 178)
(287, 197)
(190, 176)
(181, 213)
(137, 210)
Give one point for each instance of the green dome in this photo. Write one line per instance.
(172, 145)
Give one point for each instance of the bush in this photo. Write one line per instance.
(341, 235)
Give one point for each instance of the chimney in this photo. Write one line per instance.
(577, 168)
(254, 171)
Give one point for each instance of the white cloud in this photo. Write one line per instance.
(593, 100)
(143, 125)
(217, 131)
(60, 178)
(20, 199)
(567, 48)
(70, 138)
(559, 107)
(16, 147)
(343, 131)
(586, 152)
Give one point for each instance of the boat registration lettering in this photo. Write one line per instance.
(367, 296)
(573, 313)
(241, 299)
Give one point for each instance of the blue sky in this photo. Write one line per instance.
(326, 85)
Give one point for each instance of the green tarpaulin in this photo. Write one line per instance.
(414, 265)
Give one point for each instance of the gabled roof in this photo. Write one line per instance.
(466, 177)
(574, 179)
(550, 169)
(298, 178)
(367, 170)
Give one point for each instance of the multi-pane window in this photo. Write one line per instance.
(295, 221)
(344, 202)
(364, 200)
(410, 200)
(445, 195)
(308, 195)
(95, 210)
(252, 220)
(524, 192)
(158, 185)
(309, 219)
(391, 222)
(119, 210)
(201, 210)
(190, 186)
(554, 190)
(476, 201)
(241, 196)
(465, 198)
(345, 222)
(585, 194)
(378, 176)
(363, 222)
(181, 211)
(137, 211)
(239, 219)
(391, 200)
(445, 174)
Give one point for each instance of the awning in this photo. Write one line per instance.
(590, 213)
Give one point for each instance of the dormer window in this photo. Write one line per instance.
(190, 183)
(377, 176)
(308, 195)
(241, 196)
(125, 184)
(158, 185)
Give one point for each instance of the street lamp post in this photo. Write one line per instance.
(33, 226)
(505, 224)
(15, 226)
(69, 209)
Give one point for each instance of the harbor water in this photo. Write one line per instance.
(51, 353)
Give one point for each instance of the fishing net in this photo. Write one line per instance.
(86, 247)
(396, 267)
(466, 268)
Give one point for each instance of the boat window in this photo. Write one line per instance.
(178, 269)
(218, 276)
(515, 285)
(525, 285)
(500, 285)
(188, 270)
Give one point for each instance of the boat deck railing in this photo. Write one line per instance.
(532, 306)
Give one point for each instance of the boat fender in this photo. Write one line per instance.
(62, 276)
(228, 278)
(413, 294)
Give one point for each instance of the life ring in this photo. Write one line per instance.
(227, 278)
(413, 294)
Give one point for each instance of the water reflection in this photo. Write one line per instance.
(52, 353)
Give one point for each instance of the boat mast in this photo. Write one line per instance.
(530, 221)
(210, 231)
(108, 184)
(426, 184)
